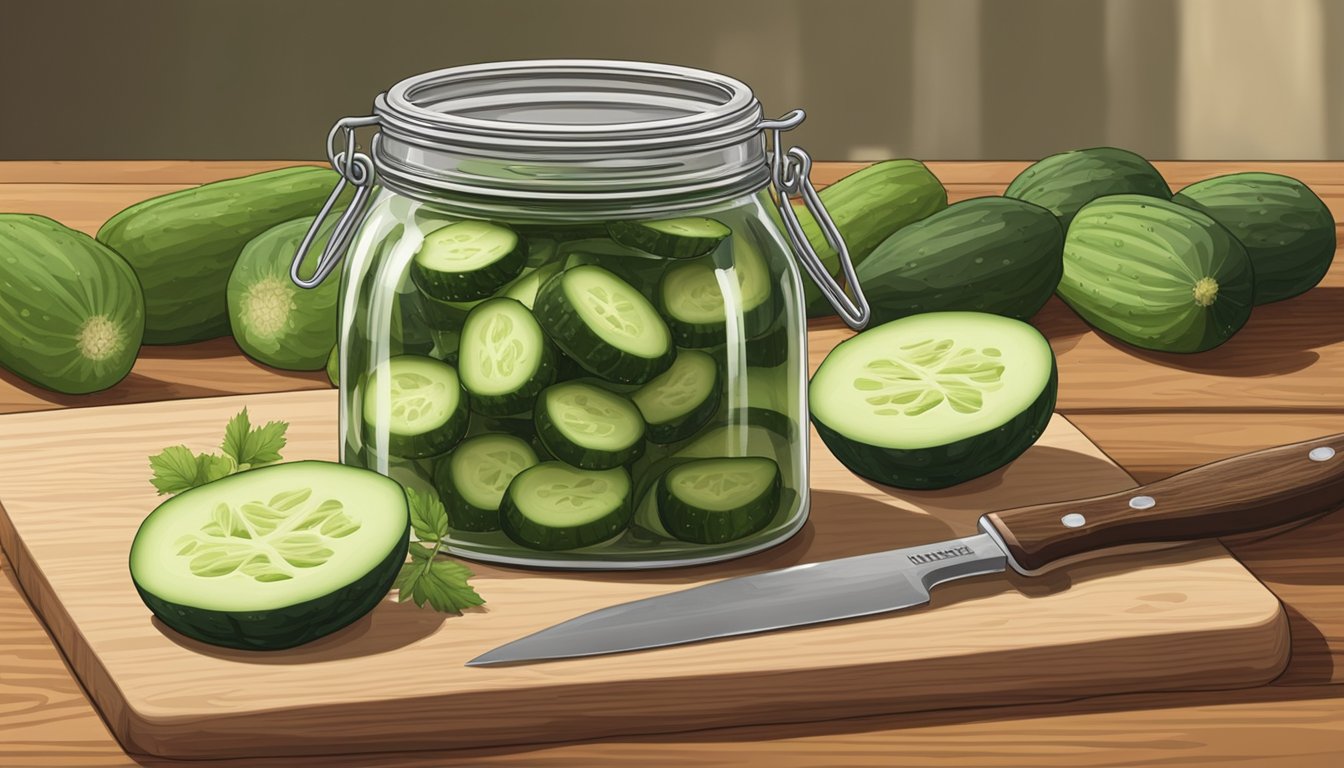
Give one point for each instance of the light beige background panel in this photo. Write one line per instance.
(1198, 79)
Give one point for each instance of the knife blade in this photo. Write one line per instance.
(1255, 491)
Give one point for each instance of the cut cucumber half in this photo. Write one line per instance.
(683, 238)
(505, 358)
(691, 297)
(421, 403)
(467, 260)
(711, 501)
(273, 557)
(932, 400)
(553, 506)
(680, 400)
(589, 427)
(524, 289)
(605, 325)
(472, 479)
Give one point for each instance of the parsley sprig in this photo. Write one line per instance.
(428, 578)
(177, 468)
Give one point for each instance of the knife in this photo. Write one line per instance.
(1255, 491)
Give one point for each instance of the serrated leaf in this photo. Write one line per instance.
(176, 469)
(212, 467)
(235, 437)
(263, 444)
(429, 519)
(438, 582)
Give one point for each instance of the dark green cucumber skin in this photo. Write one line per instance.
(690, 523)
(524, 531)
(1102, 284)
(634, 234)
(334, 366)
(691, 421)
(944, 466)
(294, 625)
(557, 445)
(770, 348)
(987, 254)
(521, 400)
(1287, 230)
(38, 331)
(1066, 182)
(462, 514)
(755, 321)
(568, 331)
(469, 286)
(183, 245)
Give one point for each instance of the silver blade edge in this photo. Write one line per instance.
(812, 593)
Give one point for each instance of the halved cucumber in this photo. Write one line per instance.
(553, 506)
(605, 324)
(505, 358)
(273, 557)
(692, 299)
(683, 238)
(679, 401)
(711, 501)
(421, 403)
(933, 400)
(472, 479)
(467, 260)
(589, 427)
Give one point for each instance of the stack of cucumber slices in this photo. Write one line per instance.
(570, 380)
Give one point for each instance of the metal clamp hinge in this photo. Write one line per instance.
(355, 168)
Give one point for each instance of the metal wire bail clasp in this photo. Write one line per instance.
(355, 168)
(790, 171)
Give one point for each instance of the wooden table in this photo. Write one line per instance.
(1280, 380)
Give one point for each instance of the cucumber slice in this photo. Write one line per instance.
(589, 427)
(604, 324)
(933, 400)
(712, 501)
(334, 366)
(553, 506)
(540, 250)
(524, 289)
(505, 358)
(683, 238)
(767, 404)
(692, 300)
(640, 269)
(679, 401)
(421, 403)
(472, 479)
(273, 557)
(467, 260)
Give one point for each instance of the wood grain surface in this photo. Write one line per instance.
(1154, 415)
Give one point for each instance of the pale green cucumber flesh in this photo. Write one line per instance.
(680, 400)
(691, 296)
(710, 501)
(473, 478)
(553, 506)
(504, 357)
(420, 402)
(588, 426)
(467, 260)
(604, 324)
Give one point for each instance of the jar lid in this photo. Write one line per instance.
(568, 135)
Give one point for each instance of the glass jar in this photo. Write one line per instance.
(570, 310)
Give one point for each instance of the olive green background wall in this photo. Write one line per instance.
(926, 78)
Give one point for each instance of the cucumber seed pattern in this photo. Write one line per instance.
(501, 351)
(267, 540)
(929, 373)
(615, 308)
(582, 413)
(495, 469)
(727, 487)
(419, 396)
(578, 495)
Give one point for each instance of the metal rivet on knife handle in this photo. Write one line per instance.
(1323, 453)
(1073, 520)
(1142, 502)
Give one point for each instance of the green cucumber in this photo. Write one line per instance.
(638, 268)
(419, 403)
(71, 312)
(184, 244)
(274, 321)
(768, 398)
(1287, 230)
(334, 366)
(1156, 274)
(553, 506)
(712, 501)
(472, 479)
(540, 250)
(1065, 182)
(504, 358)
(589, 427)
(933, 400)
(604, 324)
(683, 238)
(691, 297)
(524, 289)
(988, 254)
(273, 557)
(676, 403)
(467, 260)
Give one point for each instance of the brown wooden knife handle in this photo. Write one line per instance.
(1250, 492)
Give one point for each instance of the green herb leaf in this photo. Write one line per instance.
(438, 582)
(212, 467)
(175, 469)
(235, 437)
(264, 443)
(429, 519)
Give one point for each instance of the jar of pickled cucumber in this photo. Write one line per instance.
(572, 310)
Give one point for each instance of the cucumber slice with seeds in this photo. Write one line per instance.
(683, 238)
(680, 400)
(553, 506)
(604, 324)
(505, 358)
(421, 403)
(691, 297)
(472, 479)
(467, 260)
(711, 501)
(589, 427)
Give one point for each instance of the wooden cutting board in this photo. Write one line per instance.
(74, 486)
